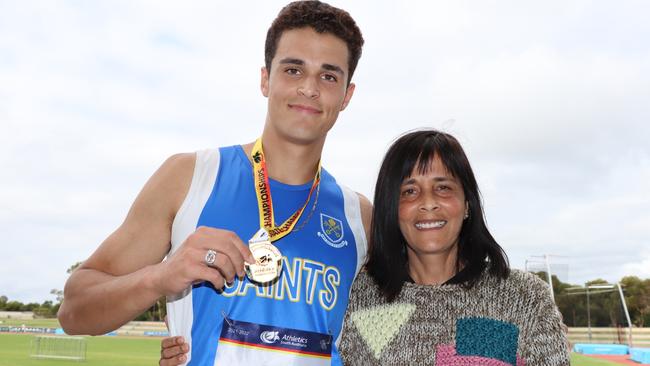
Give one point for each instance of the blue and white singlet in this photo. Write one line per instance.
(300, 316)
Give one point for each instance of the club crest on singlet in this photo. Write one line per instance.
(331, 231)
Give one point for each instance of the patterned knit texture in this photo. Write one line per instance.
(446, 356)
(391, 316)
(487, 338)
(495, 323)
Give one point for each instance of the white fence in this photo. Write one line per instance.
(56, 347)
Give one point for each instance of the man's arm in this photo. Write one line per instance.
(125, 276)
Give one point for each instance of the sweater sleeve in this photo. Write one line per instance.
(546, 344)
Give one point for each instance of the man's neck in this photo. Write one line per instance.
(287, 162)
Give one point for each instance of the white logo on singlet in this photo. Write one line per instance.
(269, 337)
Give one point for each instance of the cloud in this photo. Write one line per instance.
(639, 268)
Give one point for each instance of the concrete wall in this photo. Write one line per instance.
(640, 336)
(17, 314)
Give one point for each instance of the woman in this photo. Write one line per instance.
(438, 289)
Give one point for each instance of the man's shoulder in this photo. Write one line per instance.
(366, 212)
(364, 202)
(178, 168)
(172, 180)
(180, 161)
(364, 205)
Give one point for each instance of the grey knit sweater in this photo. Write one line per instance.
(495, 323)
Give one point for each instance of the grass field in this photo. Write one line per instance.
(44, 323)
(101, 351)
(105, 351)
(580, 360)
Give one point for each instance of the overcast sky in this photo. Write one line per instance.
(551, 100)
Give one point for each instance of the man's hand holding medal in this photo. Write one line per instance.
(208, 254)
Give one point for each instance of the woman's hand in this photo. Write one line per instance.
(172, 351)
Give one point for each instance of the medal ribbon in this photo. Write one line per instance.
(264, 201)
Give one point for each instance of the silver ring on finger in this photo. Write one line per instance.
(210, 257)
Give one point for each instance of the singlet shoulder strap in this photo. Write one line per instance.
(353, 214)
(206, 168)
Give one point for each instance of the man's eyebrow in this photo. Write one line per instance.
(333, 68)
(297, 61)
(290, 60)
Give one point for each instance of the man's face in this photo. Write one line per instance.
(307, 86)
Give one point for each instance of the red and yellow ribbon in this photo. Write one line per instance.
(264, 201)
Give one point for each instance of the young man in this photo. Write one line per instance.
(200, 210)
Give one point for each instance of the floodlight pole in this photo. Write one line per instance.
(548, 273)
(526, 265)
(627, 314)
(588, 313)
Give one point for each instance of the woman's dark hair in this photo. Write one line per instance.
(321, 17)
(477, 249)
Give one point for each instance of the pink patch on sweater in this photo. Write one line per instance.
(446, 356)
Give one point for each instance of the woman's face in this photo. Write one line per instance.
(432, 208)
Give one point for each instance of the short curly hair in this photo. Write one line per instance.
(323, 18)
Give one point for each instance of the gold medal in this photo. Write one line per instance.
(268, 259)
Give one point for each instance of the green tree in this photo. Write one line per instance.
(59, 293)
(42, 312)
(73, 267)
(637, 294)
(600, 305)
(30, 307)
(45, 310)
(13, 306)
(156, 312)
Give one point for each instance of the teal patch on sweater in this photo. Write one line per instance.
(487, 337)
